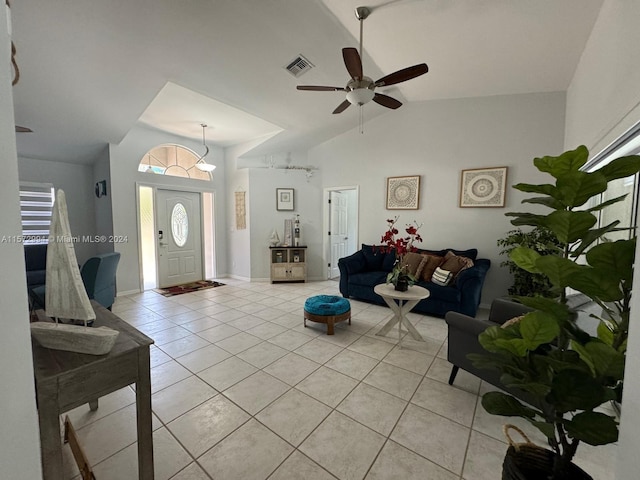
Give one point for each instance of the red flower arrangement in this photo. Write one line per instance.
(401, 246)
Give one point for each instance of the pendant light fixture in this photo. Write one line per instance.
(201, 164)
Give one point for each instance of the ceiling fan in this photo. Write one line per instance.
(361, 89)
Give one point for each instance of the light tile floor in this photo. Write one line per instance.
(242, 390)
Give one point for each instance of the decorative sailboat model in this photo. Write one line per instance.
(66, 297)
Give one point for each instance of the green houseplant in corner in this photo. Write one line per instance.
(544, 242)
(564, 372)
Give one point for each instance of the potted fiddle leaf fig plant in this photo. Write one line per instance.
(562, 371)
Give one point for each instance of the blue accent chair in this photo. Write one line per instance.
(99, 278)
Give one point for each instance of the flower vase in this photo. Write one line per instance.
(402, 285)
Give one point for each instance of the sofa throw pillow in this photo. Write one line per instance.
(441, 277)
(412, 261)
(429, 265)
(455, 263)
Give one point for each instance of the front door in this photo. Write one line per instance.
(339, 233)
(179, 237)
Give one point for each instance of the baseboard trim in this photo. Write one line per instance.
(128, 292)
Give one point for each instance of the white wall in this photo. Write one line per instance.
(603, 102)
(19, 439)
(102, 205)
(436, 140)
(603, 99)
(124, 160)
(78, 185)
(265, 218)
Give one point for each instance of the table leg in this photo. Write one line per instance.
(50, 438)
(400, 312)
(143, 415)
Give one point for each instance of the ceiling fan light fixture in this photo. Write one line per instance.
(360, 96)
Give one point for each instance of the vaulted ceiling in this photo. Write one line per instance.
(92, 70)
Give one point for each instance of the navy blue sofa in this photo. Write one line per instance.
(368, 267)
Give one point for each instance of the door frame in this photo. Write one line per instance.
(326, 241)
(174, 188)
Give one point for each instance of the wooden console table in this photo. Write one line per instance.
(65, 380)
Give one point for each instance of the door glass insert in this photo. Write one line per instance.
(179, 224)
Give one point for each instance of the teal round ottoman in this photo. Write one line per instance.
(329, 309)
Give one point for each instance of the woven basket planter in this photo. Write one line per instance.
(528, 461)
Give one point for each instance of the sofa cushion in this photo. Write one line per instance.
(413, 262)
(389, 261)
(446, 294)
(430, 263)
(455, 263)
(374, 257)
(369, 279)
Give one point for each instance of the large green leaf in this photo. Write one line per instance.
(545, 189)
(526, 219)
(603, 205)
(575, 390)
(593, 283)
(525, 258)
(515, 346)
(577, 187)
(567, 162)
(547, 202)
(614, 258)
(621, 167)
(490, 336)
(547, 429)
(550, 305)
(593, 428)
(537, 328)
(591, 236)
(498, 403)
(559, 270)
(604, 333)
(569, 226)
(607, 360)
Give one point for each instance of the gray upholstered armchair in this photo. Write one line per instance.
(463, 337)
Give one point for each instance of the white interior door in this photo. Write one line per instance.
(179, 237)
(338, 230)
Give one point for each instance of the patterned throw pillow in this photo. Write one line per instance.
(429, 265)
(455, 264)
(442, 277)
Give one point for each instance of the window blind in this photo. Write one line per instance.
(36, 204)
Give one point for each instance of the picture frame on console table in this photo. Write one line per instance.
(403, 193)
(483, 187)
(284, 199)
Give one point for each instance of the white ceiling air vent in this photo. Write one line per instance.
(298, 66)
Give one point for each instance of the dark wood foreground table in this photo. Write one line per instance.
(65, 380)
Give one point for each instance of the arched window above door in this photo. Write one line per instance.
(172, 160)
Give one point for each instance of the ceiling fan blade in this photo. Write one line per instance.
(402, 75)
(353, 62)
(386, 101)
(319, 88)
(20, 129)
(342, 107)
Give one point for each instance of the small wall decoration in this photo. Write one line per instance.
(403, 193)
(284, 199)
(483, 187)
(241, 211)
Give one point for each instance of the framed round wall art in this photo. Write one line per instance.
(403, 193)
(483, 187)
